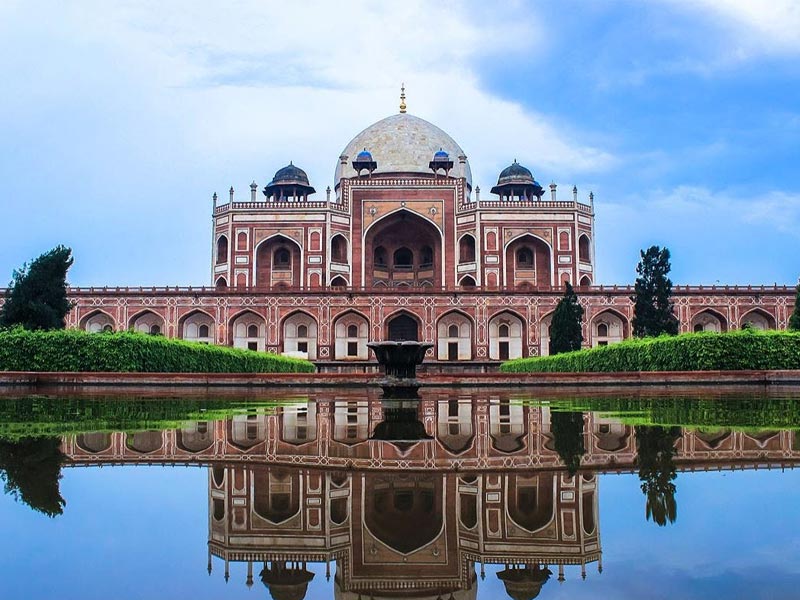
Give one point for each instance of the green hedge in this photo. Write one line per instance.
(734, 351)
(74, 350)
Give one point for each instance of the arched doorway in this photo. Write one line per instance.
(505, 337)
(402, 328)
(454, 337)
(528, 262)
(248, 330)
(300, 336)
(278, 261)
(403, 249)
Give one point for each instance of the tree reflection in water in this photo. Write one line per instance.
(567, 430)
(655, 458)
(31, 469)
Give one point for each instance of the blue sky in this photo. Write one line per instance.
(119, 120)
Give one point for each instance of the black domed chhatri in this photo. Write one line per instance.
(290, 181)
(364, 161)
(515, 181)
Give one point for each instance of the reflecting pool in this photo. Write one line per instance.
(466, 493)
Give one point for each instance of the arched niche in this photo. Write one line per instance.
(506, 425)
(454, 429)
(147, 322)
(531, 501)
(94, 442)
(584, 249)
(454, 337)
(544, 334)
(506, 336)
(195, 436)
(222, 249)
(466, 249)
(403, 249)
(351, 331)
(300, 335)
(248, 330)
(339, 245)
(241, 241)
(467, 282)
(757, 319)
(403, 326)
(276, 494)
(608, 327)
(585, 281)
(278, 263)
(338, 281)
(197, 326)
(144, 442)
(405, 512)
(709, 320)
(98, 322)
(611, 436)
(350, 421)
(221, 284)
(299, 423)
(247, 431)
(529, 262)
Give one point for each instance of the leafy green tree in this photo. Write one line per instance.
(655, 453)
(37, 295)
(31, 469)
(565, 330)
(567, 429)
(794, 320)
(653, 308)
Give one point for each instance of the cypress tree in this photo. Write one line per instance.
(567, 428)
(565, 331)
(653, 308)
(794, 320)
(655, 457)
(37, 295)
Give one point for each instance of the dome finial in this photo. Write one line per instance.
(403, 98)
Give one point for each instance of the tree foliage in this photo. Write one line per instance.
(37, 295)
(31, 470)
(655, 453)
(653, 308)
(565, 331)
(794, 320)
(567, 428)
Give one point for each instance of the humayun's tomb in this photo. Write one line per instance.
(403, 247)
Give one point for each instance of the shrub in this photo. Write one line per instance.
(739, 350)
(74, 350)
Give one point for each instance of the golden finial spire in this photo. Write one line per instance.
(403, 98)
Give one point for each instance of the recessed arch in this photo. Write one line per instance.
(402, 325)
(757, 318)
(194, 324)
(145, 442)
(221, 283)
(338, 281)
(467, 281)
(585, 281)
(276, 494)
(709, 319)
(222, 249)
(351, 332)
(608, 327)
(265, 274)
(454, 336)
(466, 248)
(300, 335)
(98, 321)
(339, 249)
(544, 333)
(584, 248)
(195, 437)
(454, 423)
(506, 335)
(528, 261)
(248, 330)
(147, 321)
(531, 501)
(299, 423)
(94, 442)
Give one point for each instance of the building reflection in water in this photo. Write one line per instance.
(342, 481)
(401, 534)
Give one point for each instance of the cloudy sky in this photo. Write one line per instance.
(118, 120)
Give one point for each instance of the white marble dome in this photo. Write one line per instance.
(403, 143)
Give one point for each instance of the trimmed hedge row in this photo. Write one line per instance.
(734, 351)
(75, 350)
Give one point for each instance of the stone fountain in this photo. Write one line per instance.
(399, 361)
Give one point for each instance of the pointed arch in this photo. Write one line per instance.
(758, 318)
(222, 249)
(147, 321)
(458, 346)
(402, 325)
(193, 325)
(531, 501)
(709, 319)
(467, 281)
(544, 333)
(340, 249)
(466, 248)
(221, 283)
(584, 248)
(267, 273)
(528, 260)
(299, 330)
(338, 281)
(248, 330)
(351, 333)
(98, 321)
(608, 327)
(506, 335)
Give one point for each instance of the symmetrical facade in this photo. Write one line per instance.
(403, 247)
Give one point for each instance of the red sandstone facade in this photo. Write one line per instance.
(403, 247)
